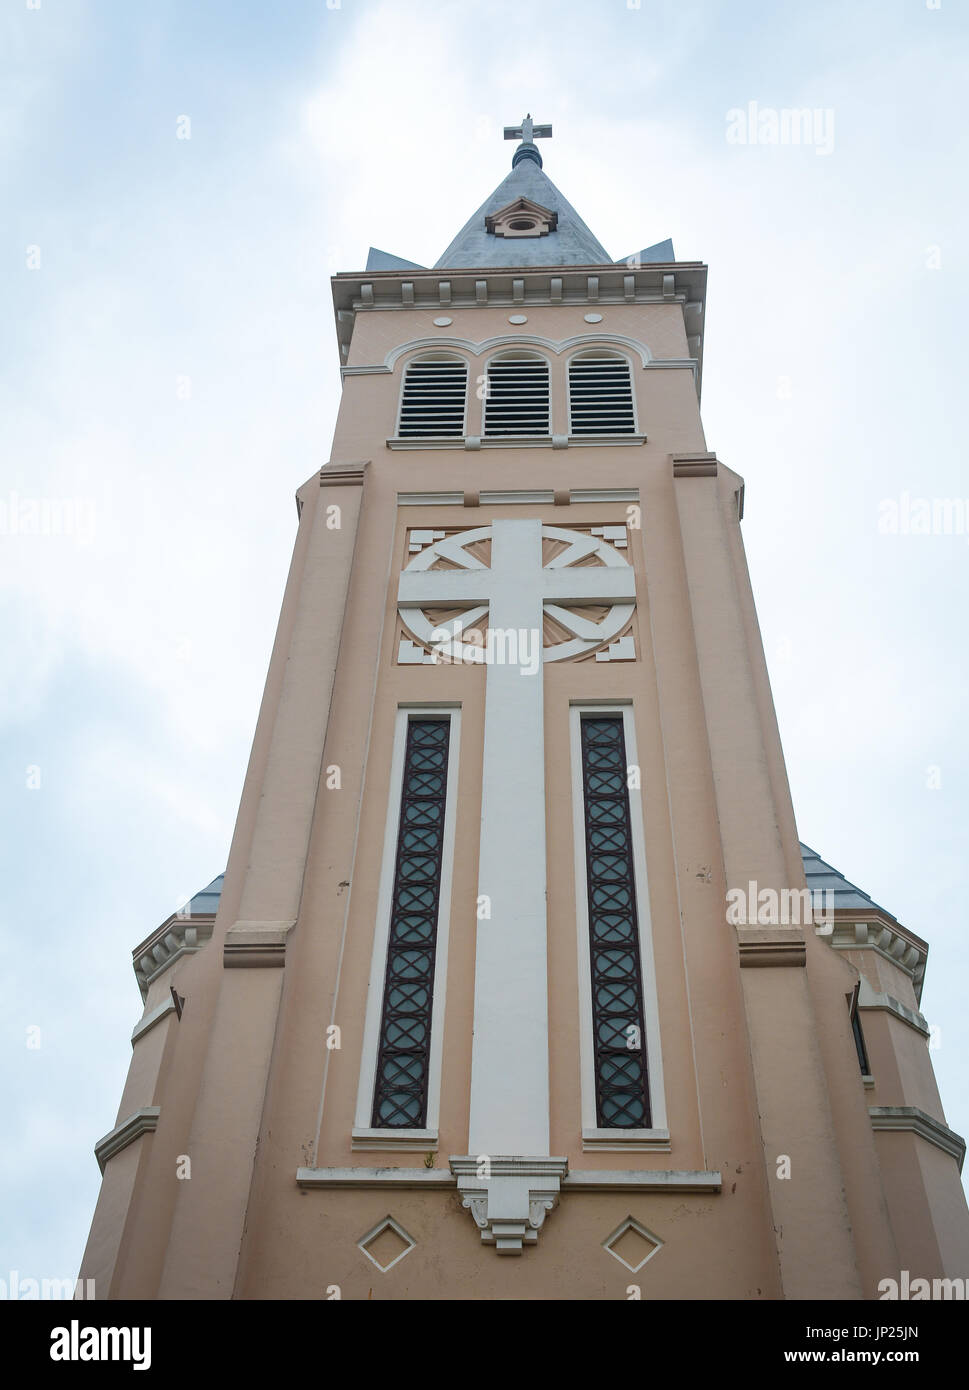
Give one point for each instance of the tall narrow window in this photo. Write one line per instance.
(858, 1035)
(618, 1024)
(433, 399)
(517, 397)
(403, 1058)
(600, 394)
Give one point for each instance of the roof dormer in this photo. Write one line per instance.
(522, 218)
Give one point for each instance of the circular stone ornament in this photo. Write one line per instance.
(442, 322)
(584, 584)
(593, 318)
(517, 318)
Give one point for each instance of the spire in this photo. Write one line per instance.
(526, 221)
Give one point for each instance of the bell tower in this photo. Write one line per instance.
(517, 952)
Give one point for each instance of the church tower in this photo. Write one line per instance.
(519, 983)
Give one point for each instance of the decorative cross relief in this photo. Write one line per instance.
(570, 592)
(531, 586)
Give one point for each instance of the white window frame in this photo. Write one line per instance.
(363, 1134)
(657, 1138)
(443, 356)
(603, 350)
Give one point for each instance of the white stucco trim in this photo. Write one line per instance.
(440, 1179)
(626, 1140)
(910, 1117)
(657, 1136)
(513, 498)
(369, 1137)
(509, 1103)
(534, 340)
(143, 1121)
(145, 1024)
(524, 441)
(388, 1224)
(401, 1140)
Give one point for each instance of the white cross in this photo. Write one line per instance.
(528, 131)
(509, 1055)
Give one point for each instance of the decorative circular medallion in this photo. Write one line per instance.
(517, 318)
(442, 322)
(593, 318)
(572, 589)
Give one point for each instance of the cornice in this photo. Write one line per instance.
(868, 999)
(179, 936)
(143, 1121)
(682, 283)
(886, 937)
(910, 1118)
(580, 1180)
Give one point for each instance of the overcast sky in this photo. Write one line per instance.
(172, 376)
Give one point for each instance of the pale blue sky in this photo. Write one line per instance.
(136, 648)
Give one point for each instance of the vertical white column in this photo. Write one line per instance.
(509, 1060)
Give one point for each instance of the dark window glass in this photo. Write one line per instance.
(619, 1036)
(400, 1093)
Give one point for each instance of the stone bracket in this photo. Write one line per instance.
(509, 1197)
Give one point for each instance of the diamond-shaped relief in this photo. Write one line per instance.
(386, 1244)
(632, 1245)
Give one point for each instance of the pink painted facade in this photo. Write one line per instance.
(783, 1170)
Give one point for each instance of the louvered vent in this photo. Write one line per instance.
(601, 396)
(518, 396)
(434, 398)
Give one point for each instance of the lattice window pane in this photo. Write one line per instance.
(517, 399)
(403, 1059)
(434, 400)
(618, 1022)
(601, 396)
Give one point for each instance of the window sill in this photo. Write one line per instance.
(394, 1140)
(516, 441)
(626, 1140)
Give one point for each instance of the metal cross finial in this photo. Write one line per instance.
(528, 132)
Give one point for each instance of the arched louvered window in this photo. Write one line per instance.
(517, 395)
(600, 394)
(434, 398)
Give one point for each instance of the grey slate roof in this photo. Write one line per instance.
(660, 253)
(206, 900)
(570, 244)
(822, 876)
(383, 260)
(819, 876)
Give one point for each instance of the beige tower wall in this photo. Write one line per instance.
(757, 1053)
